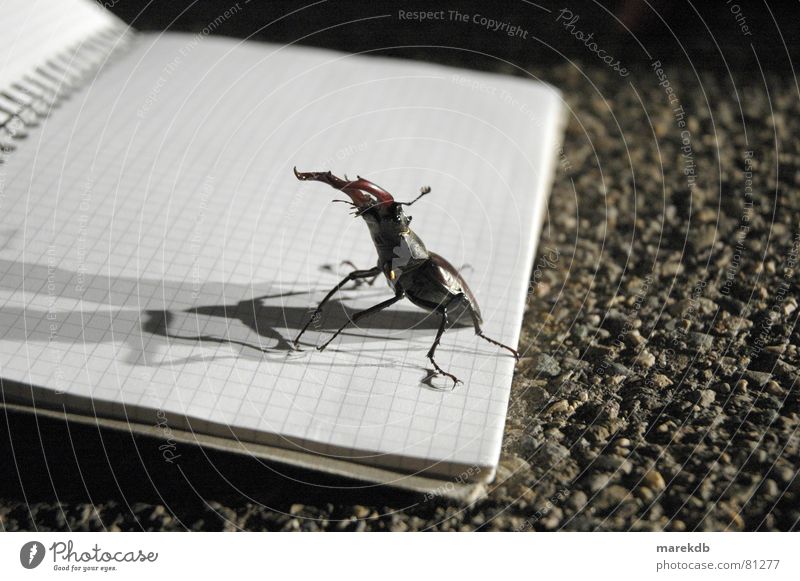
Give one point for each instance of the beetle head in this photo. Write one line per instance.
(387, 220)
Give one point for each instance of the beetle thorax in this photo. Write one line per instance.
(399, 248)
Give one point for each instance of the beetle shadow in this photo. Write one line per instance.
(268, 324)
(110, 309)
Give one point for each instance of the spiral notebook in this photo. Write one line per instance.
(157, 254)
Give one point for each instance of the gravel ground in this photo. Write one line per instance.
(659, 390)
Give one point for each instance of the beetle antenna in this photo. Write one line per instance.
(423, 191)
(349, 203)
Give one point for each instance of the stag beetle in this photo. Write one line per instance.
(411, 270)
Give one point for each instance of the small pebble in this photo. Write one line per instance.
(654, 480)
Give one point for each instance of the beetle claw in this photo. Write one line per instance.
(450, 376)
(439, 371)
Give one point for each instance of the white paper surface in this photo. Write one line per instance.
(32, 31)
(158, 254)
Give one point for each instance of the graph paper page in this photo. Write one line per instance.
(32, 31)
(158, 254)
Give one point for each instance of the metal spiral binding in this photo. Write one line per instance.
(24, 103)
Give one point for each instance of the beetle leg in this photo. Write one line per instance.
(479, 332)
(432, 350)
(361, 314)
(356, 274)
(370, 282)
(513, 351)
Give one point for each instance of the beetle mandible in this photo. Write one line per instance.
(411, 270)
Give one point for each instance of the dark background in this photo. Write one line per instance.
(704, 33)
